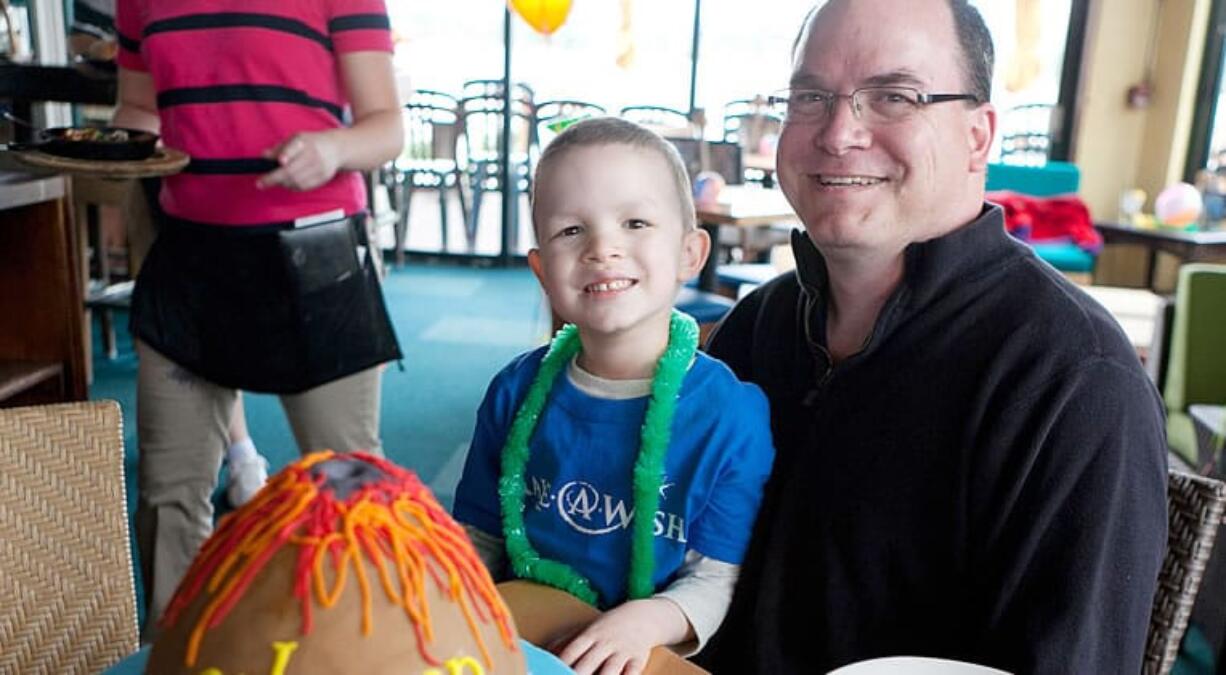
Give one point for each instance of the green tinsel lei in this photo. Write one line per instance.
(670, 371)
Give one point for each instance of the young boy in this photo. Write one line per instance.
(619, 464)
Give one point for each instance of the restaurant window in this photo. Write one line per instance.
(633, 52)
(616, 53)
(744, 50)
(441, 45)
(1207, 150)
(1038, 47)
(612, 53)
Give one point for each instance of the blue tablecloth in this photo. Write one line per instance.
(540, 662)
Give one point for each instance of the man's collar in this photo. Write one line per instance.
(929, 265)
(810, 265)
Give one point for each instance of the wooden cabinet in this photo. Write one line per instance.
(43, 333)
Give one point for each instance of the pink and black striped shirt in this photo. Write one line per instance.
(236, 77)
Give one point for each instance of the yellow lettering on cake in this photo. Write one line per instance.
(459, 665)
(281, 661)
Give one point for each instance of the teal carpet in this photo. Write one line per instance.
(457, 327)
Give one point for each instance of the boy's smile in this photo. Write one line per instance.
(610, 287)
(613, 245)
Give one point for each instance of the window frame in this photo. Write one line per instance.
(1065, 119)
(1207, 89)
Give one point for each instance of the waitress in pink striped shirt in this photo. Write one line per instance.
(261, 277)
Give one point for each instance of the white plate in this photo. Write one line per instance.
(914, 665)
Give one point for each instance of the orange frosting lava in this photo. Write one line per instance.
(391, 521)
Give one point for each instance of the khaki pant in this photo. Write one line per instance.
(182, 422)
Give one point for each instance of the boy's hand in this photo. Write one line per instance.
(620, 641)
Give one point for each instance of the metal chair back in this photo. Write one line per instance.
(748, 121)
(437, 99)
(1026, 132)
(429, 135)
(493, 89)
(427, 161)
(482, 128)
(481, 148)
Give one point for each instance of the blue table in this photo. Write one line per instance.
(540, 662)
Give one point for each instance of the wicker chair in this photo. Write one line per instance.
(1195, 506)
(65, 563)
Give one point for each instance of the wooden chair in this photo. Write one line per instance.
(65, 562)
(1194, 509)
(427, 162)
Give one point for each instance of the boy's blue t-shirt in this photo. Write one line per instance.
(578, 493)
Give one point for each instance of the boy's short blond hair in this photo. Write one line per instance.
(616, 131)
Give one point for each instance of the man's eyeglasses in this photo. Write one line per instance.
(871, 105)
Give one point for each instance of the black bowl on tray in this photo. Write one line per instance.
(97, 143)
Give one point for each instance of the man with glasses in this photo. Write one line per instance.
(971, 461)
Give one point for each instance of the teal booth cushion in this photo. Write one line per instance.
(1053, 178)
(1064, 257)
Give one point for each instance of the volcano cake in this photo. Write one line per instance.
(343, 563)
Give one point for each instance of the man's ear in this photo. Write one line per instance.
(538, 267)
(981, 133)
(695, 247)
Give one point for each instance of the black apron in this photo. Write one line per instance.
(273, 309)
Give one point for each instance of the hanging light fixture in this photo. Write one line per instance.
(545, 16)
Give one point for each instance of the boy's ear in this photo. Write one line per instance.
(695, 247)
(538, 268)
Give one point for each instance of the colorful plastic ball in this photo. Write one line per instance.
(1179, 205)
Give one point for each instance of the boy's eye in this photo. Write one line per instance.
(569, 231)
(637, 224)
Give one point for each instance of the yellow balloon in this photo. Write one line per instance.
(545, 16)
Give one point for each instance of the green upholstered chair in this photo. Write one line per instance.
(1196, 369)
